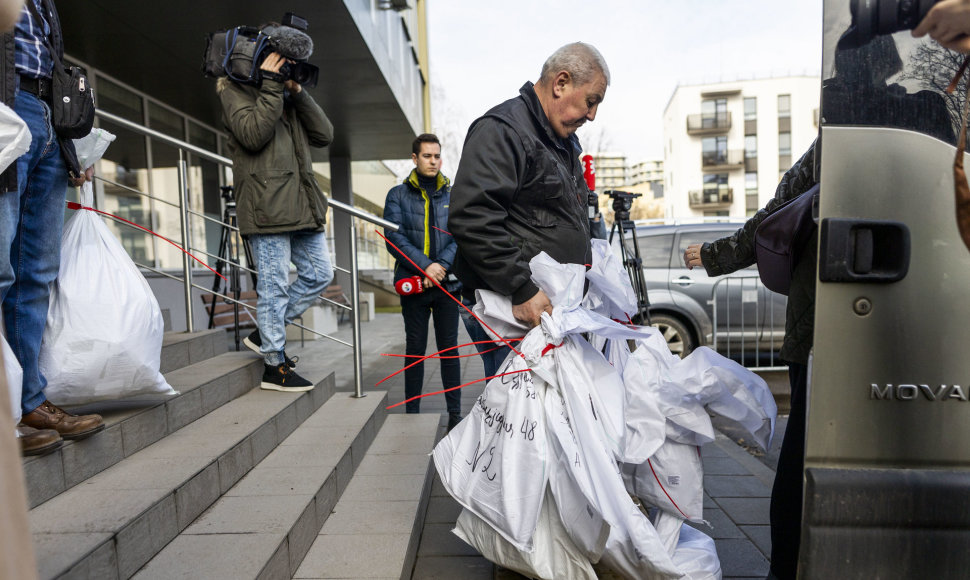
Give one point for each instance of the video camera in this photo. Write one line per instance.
(237, 53)
(622, 203)
(871, 18)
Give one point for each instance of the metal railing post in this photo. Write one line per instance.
(184, 223)
(355, 315)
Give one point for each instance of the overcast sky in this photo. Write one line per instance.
(482, 52)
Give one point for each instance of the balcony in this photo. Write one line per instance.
(722, 160)
(712, 198)
(708, 124)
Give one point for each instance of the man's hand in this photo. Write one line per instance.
(292, 86)
(436, 271)
(530, 312)
(948, 23)
(88, 175)
(272, 63)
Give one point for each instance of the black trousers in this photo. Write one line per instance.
(786, 494)
(416, 309)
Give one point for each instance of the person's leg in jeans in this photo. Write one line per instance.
(30, 244)
(416, 309)
(272, 255)
(786, 494)
(311, 256)
(445, 313)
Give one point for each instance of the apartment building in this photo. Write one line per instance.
(727, 144)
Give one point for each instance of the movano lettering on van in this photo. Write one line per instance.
(907, 392)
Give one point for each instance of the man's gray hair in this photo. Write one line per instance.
(582, 61)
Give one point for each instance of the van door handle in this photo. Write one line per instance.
(863, 251)
(682, 281)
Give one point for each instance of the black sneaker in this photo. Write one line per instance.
(453, 420)
(283, 378)
(253, 342)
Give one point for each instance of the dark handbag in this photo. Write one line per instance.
(72, 98)
(781, 238)
(72, 101)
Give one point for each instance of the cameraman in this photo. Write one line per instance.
(948, 22)
(281, 209)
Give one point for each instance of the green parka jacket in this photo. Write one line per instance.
(270, 143)
(736, 251)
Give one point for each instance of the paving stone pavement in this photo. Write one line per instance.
(737, 486)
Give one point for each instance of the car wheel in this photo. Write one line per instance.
(678, 337)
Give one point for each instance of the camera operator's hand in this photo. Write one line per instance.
(948, 23)
(530, 312)
(292, 86)
(273, 62)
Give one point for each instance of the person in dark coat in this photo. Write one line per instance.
(419, 206)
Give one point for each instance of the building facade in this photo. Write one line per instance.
(726, 145)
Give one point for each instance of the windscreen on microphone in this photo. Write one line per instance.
(408, 286)
(589, 172)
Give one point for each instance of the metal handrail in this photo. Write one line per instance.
(185, 213)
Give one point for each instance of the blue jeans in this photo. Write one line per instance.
(31, 222)
(279, 302)
(490, 360)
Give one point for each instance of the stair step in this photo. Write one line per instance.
(115, 521)
(181, 349)
(133, 424)
(264, 525)
(382, 511)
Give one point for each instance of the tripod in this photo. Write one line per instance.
(623, 225)
(228, 254)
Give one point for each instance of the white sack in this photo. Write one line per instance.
(610, 292)
(696, 555)
(15, 378)
(14, 137)
(104, 331)
(555, 556)
(494, 463)
(91, 147)
(728, 389)
(672, 480)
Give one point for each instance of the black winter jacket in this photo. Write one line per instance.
(519, 191)
(736, 251)
(422, 240)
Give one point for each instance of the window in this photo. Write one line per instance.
(750, 108)
(751, 183)
(713, 113)
(750, 147)
(784, 144)
(714, 150)
(784, 106)
(655, 250)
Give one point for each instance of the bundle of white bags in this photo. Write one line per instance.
(546, 462)
(104, 328)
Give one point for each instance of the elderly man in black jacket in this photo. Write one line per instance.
(520, 188)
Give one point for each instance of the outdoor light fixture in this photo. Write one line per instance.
(398, 5)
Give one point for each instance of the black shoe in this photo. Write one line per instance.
(283, 378)
(253, 342)
(453, 420)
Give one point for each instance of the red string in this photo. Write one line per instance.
(455, 388)
(423, 358)
(441, 357)
(436, 283)
(441, 230)
(75, 205)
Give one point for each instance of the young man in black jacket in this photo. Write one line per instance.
(520, 188)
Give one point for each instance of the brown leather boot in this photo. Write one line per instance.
(37, 441)
(48, 416)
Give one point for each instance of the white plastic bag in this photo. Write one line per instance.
(555, 556)
(104, 328)
(672, 480)
(494, 463)
(696, 555)
(14, 376)
(14, 137)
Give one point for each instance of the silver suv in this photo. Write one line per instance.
(735, 313)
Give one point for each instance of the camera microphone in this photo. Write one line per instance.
(589, 174)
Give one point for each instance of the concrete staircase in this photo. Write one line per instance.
(228, 481)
